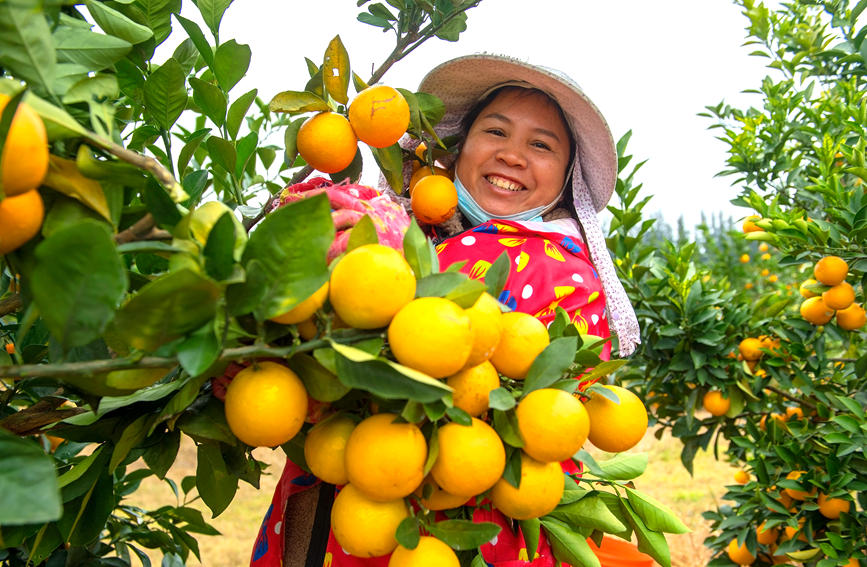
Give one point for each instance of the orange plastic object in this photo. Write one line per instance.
(615, 552)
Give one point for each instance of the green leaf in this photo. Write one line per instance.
(466, 293)
(160, 456)
(222, 153)
(364, 232)
(132, 435)
(208, 423)
(212, 13)
(186, 153)
(117, 24)
(84, 519)
(650, 542)
(497, 274)
(165, 96)
(94, 51)
(656, 516)
(390, 162)
(92, 88)
(220, 248)
(589, 512)
(29, 492)
(623, 466)
(198, 352)
(407, 534)
(569, 546)
(335, 71)
(297, 101)
(384, 378)
(321, 384)
(439, 284)
(531, 530)
(290, 140)
(501, 399)
(26, 46)
(231, 62)
(463, 534)
(551, 364)
(166, 309)
(291, 246)
(77, 282)
(506, 425)
(155, 14)
(419, 252)
(215, 484)
(210, 99)
(198, 39)
(237, 112)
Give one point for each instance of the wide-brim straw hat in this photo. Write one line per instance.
(460, 83)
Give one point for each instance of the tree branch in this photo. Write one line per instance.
(143, 229)
(10, 304)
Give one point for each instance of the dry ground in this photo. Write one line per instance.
(665, 479)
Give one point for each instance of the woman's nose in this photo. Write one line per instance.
(511, 155)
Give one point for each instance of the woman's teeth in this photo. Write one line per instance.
(504, 183)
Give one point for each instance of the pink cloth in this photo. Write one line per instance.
(549, 269)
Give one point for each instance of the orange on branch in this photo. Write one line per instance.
(425, 171)
(523, 338)
(325, 449)
(305, 309)
(472, 387)
(750, 348)
(739, 554)
(326, 142)
(839, 296)
(379, 116)
(831, 508)
(750, 224)
(20, 219)
(432, 335)
(538, 493)
(814, 311)
(470, 460)
(486, 322)
(434, 199)
(851, 318)
(365, 527)
(553, 423)
(796, 494)
(715, 403)
(25, 151)
(804, 290)
(831, 270)
(616, 426)
(430, 552)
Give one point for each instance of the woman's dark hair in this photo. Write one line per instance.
(483, 103)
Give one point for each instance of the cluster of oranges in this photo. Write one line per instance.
(381, 459)
(771, 533)
(378, 116)
(828, 295)
(22, 169)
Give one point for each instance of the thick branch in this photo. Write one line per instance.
(44, 412)
(143, 229)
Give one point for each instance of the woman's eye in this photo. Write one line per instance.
(541, 145)
(495, 131)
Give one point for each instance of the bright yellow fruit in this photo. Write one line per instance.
(325, 449)
(20, 219)
(523, 338)
(266, 404)
(432, 335)
(430, 552)
(385, 458)
(439, 499)
(839, 296)
(814, 311)
(472, 387)
(379, 115)
(365, 527)
(553, 424)
(25, 151)
(470, 460)
(305, 309)
(369, 285)
(486, 323)
(538, 493)
(616, 427)
(851, 318)
(326, 142)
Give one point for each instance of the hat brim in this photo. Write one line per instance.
(461, 82)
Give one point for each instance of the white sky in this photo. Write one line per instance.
(649, 67)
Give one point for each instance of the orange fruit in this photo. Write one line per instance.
(795, 494)
(715, 403)
(472, 387)
(773, 278)
(325, 449)
(839, 296)
(308, 329)
(425, 171)
(10, 348)
(831, 270)
(763, 247)
(434, 199)
(379, 116)
(742, 477)
(305, 309)
(538, 493)
(745, 258)
(266, 404)
(831, 508)
(365, 527)
(326, 142)
(807, 293)
(851, 318)
(553, 424)
(616, 426)
(750, 225)
(767, 536)
(430, 552)
(523, 338)
(385, 458)
(470, 460)
(439, 499)
(748, 285)
(25, 151)
(20, 219)
(369, 285)
(739, 554)
(431, 335)
(789, 532)
(766, 255)
(750, 348)
(765, 272)
(815, 311)
(486, 323)
(794, 413)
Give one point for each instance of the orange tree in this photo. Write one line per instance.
(153, 279)
(729, 312)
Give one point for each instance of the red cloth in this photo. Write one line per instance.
(545, 265)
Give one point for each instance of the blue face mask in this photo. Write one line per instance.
(477, 215)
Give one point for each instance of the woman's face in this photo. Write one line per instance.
(516, 154)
